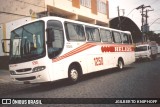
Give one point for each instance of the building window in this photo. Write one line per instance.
(101, 6)
(86, 3)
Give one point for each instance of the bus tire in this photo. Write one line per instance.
(73, 74)
(120, 64)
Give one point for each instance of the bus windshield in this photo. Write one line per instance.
(27, 42)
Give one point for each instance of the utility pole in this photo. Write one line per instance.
(147, 16)
(123, 10)
(119, 19)
(146, 26)
(142, 7)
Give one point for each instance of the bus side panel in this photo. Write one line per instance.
(94, 59)
(128, 57)
(57, 71)
(59, 68)
(98, 59)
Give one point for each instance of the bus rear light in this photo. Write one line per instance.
(39, 68)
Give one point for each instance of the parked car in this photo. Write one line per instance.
(148, 51)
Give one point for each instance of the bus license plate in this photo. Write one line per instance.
(26, 82)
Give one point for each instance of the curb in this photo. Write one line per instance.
(4, 76)
(4, 81)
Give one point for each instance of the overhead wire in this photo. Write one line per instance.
(155, 14)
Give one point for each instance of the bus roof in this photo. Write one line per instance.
(73, 21)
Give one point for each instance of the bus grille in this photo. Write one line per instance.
(26, 78)
(23, 70)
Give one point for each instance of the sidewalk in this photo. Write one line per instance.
(4, 76)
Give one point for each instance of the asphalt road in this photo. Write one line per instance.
(139, 80)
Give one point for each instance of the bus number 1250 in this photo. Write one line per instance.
(98, 61)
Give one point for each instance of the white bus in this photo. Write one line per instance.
(53, 48)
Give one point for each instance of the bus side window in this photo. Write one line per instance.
(125, 38)
(92, 34)
(106, 36)
(130, 38)
(75, 32)
(117, 37)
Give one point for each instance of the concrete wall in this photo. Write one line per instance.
(1, 37)
(16, 9)
(5, 30)
(14, 13)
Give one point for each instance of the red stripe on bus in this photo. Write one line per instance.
(75, 51)
(104, 49)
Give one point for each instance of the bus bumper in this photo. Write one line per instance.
(37, 77)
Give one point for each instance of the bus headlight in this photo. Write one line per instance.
(12, 72)
(39, 68)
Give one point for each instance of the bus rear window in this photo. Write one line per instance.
(125, 38)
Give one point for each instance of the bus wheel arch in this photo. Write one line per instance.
(120, 63)
(74, 72)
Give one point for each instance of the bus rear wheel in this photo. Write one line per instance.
(73, 74)
(120, 64)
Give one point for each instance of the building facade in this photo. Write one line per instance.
(92, 11)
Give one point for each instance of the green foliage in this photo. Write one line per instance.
(153, 36)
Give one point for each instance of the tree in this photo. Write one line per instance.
(153, 36)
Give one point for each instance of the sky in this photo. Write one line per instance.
(135, 15)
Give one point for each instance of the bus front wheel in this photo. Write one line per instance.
(73, 74)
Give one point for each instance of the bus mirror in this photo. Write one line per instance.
(3, 45)
(50, 35)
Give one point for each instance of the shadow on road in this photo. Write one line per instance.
(104, 73)
(145, 60)
(37, 88)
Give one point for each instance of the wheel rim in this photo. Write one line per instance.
(74, 74)
(120, 64)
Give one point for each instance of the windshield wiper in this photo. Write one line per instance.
(27, 31)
